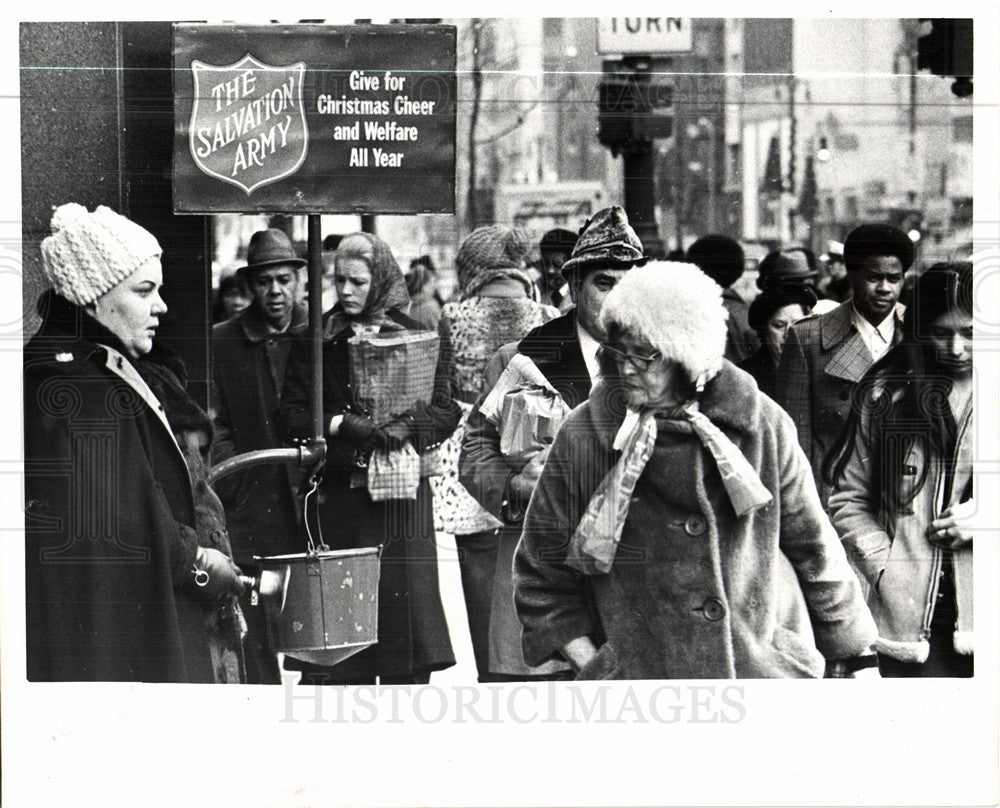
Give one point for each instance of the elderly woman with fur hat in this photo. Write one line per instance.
(675, 531)
(129, 574)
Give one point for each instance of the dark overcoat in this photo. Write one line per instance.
(412, 631)
(248, 368)
(695, 592)
(111, 529)
(761, 366)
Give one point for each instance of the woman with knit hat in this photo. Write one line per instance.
(496, 305)
(412, 631)
(675, 531)
(129, 574)
(902, 474)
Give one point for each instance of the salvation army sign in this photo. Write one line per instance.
(314, 118)
(249, 130)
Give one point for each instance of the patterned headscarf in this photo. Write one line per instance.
(388, 287)
(491, 253)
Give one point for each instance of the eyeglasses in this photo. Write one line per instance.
(640, 363)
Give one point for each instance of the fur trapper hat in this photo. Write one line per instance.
(606, 240)
(90, 253)
(678, 309)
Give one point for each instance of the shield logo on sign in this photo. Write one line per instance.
(248, 125)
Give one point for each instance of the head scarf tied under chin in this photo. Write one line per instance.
(388, 287)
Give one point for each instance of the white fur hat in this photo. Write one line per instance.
(89, 253)
(678, 309)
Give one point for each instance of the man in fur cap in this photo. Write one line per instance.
(824, 356)
(565, 352)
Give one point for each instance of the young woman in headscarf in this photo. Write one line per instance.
(129, 573)
(412, 633)
(675, 531)
(497, 304)
(903, 500)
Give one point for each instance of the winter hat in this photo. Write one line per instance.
(782, 267)
(675, 307)
(90, 253)
(718, 256)
(777, 297)
(556, 246)
(491, 252)
(270, 248)
(606, 240)
(870, 240)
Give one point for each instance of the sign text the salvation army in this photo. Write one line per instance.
(314, 118)
(259, 121)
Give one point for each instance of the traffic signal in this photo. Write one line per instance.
(947, 51)
(632, 106)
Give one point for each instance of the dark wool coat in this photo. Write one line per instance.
(113, 519)
(761, 366)
(823, 358)
(248, 368)
(741, 339)
(695, 591)
(484, 471)
(412, 631)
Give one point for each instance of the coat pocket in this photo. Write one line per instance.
(605, 664)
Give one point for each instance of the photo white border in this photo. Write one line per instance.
(900, 742)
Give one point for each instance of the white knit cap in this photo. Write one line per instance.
(675, 307)
(90, 253)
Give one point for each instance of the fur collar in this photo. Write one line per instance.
(730, 400)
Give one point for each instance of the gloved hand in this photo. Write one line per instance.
(358, 430)
(394, 434)
(216, 576)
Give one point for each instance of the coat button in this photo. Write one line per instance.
(695, 525)
(713, 609)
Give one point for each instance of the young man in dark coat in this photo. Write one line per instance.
(250, 352)
(825, 356)
(565, 351)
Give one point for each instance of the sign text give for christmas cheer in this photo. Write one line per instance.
(314, 118)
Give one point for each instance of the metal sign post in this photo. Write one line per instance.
(312, 119)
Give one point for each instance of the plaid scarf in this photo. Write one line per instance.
(595, 542)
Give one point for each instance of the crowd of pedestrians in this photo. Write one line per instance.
(648, 475)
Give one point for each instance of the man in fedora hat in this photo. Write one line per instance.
(825, 356)
(249, 355)
(565, 351)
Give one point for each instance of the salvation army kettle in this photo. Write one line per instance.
(321, 606)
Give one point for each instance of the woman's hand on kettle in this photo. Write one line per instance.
(953, 528)
(216, 576)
